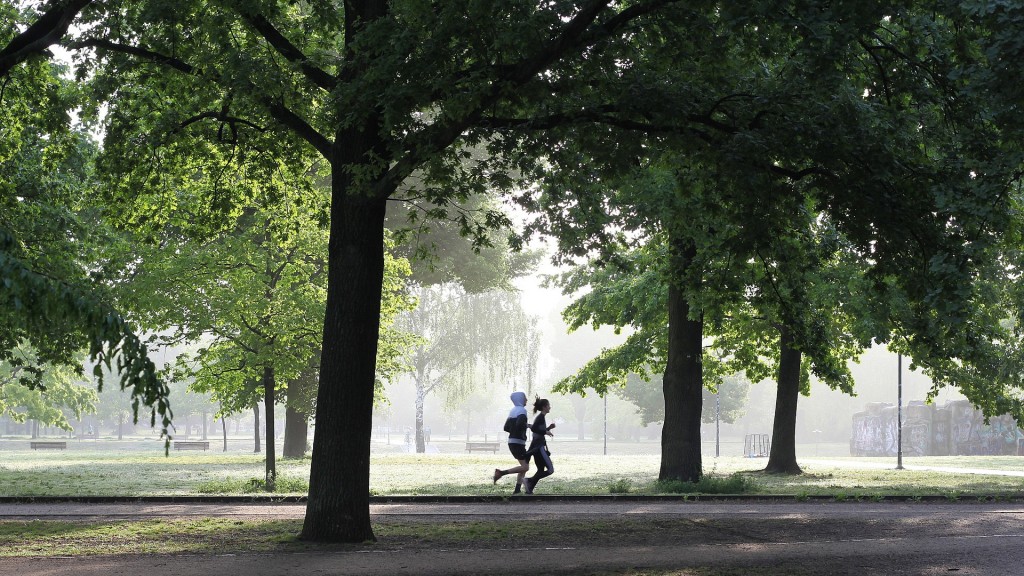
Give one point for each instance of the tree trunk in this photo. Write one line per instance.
(256, 427)
(224, 428)
(338, 506)
(296, 422)
(421, 395)
(782, 458)
(579, 406)
(268, 406)
(683, 382)
(204, 425)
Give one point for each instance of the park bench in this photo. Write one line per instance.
(192, 445)
(49, 445)
(492, 446)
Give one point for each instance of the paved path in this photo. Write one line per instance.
(552, 509)
(806, 539)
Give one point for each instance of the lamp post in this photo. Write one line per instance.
(605, 423)
(718, 413)
(899, 411)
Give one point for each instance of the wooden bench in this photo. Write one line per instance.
(492, 446)
(49, 445)
(192, 445)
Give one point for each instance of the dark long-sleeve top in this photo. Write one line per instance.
(540, 431)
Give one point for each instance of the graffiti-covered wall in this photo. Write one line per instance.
(955, 429)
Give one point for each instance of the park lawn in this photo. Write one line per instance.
(83, 538)
(166, 536)
(85, 473)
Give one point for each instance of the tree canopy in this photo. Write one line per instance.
(52, 283)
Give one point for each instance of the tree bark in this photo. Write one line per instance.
(256, 427)
(683, 381)
(421, 396)
(338, 507)
(782, 458)
(48, 30)
(296, 422)
(268, 407)
(580, 409)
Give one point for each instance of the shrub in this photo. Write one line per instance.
(621, 486)
(252, 486)
(733, 484)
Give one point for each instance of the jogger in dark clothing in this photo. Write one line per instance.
(539, 444)
(516, 425)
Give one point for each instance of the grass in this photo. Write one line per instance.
(82, 538)
(26, 473)
(735, 483)
(207, 535)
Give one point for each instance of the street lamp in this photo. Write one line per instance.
(606, 423)
(899, 411)
(718, 413)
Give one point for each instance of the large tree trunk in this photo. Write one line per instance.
(268, 407)
(338, 507)
(782, 459)
(682, 383)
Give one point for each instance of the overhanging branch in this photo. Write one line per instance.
(303, 129)
(146, 54)
(285, 48)
(43, 33)
(277, 110)
(220, 116)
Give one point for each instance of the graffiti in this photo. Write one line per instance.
(955, 429)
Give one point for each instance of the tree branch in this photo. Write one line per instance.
(303, 129)
(221, 116)
(291, 53)
(276, 109)
(144, 53)
(43, 33)
(574, 35)
(603, 117)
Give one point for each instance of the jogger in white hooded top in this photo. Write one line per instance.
(516, 425)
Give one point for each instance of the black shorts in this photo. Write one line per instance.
(518, 451)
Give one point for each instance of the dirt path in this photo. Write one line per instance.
(623, 538)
